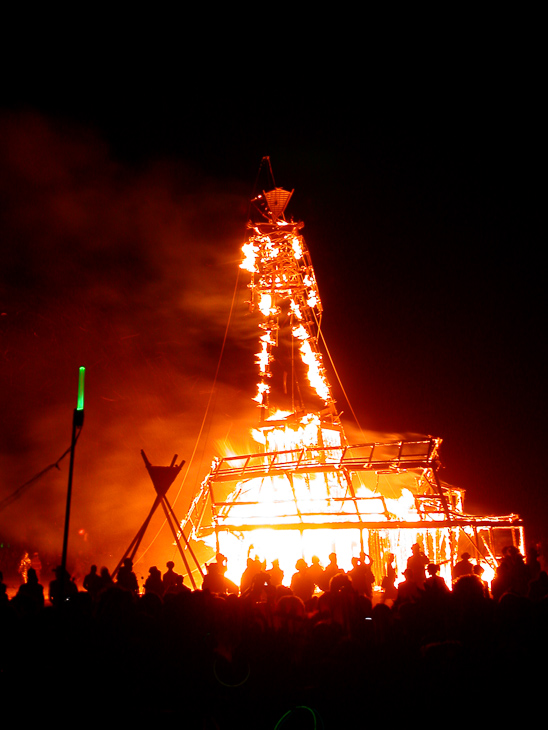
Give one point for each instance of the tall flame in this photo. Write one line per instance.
(307, 492)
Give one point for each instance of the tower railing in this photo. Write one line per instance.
(390, 456)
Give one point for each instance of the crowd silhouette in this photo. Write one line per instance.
(345, 645)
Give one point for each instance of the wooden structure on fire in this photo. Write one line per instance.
(305, 478)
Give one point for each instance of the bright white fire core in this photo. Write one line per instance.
(281, 515)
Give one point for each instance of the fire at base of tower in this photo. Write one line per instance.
(306, 491)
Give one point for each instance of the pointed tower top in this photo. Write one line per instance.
(277, 201)
(272, 204)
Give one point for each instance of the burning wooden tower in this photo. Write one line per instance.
(307, 490)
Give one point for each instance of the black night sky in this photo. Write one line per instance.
(124, 203)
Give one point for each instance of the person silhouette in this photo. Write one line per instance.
(435, 583)
(61, 587)
(408, 590)
(462, 567)
(126, 578)
(388, 583)
(106, 579)
(316, 572)
(302, 583)
(362, 576)
(276, 573)
(331, 569)
(170, 578)
(215, 580)
(154, 583)
(31, 592)
(417, 563)
(4, 598)
(92, 582)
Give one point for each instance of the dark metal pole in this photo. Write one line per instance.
(77, 422)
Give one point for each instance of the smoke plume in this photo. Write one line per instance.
(130, 271)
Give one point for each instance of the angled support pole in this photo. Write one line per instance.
(178, 533)
(134, 545)
(162, 478)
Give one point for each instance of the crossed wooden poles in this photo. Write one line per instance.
(162, 479)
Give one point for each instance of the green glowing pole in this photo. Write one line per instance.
(77, 423)
(80, 402)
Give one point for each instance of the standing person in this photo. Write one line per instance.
(362, 576)
(302, 584)
(390, 591)
(417, 563)
(126, 578)
(32, 591)
(154, 582)
(36, 563)
(170, 578)
(331, 569)
(408, 590)
(61, 587)
(215, 580)
(253, 568)
(316, 572)
(435, 583)
(479, 571)
(177, 587)
(533, 562)
(24, 566)
(92, 582)
(276, 573)
(368, 573)
(106, 579)
(462, 567)
(4, 598)
(511, 574)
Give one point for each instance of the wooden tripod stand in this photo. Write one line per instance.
(162, 479)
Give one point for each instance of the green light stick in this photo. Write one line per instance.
(80, 403)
